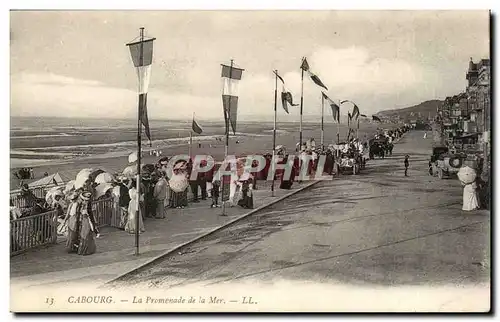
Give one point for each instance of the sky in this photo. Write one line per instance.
(76, 64)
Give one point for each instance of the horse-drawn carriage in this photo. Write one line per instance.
(380, 147)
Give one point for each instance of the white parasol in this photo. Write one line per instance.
(82, 176)
(104, 178)
(102, 188)
(130, 171)
(132, 157)
(178, 182)
(466, 175)
(52, 193)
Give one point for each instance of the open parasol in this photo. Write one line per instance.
(82, 177)
(52, 193)
(95, 173)
(104, 177)
(178, 182)
(466, 175)
(102, 188)
(132, 158)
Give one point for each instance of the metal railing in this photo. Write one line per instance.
(33, 231)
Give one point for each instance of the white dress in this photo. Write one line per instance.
(131, 224)
(470, 201)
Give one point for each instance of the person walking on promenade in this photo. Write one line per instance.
(72, 221)
(193, 181)
(130, 227)
(123, 201)
(202, 181)
(215, 193)
(159, 194)
(407, 164)
(88, 226)
(149, 200)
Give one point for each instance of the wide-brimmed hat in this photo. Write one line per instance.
(86, 195)
(73, 196)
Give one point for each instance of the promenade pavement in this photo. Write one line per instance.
(51, 265)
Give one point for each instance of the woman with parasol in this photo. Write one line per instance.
(73, 223)
(467, 177)
(246, 200)
(88, 226)
(179, 185)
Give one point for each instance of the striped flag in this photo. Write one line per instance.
(335, 108)
(196, 127)
(286, 96)
(230, 79)
(142, 57)
(305, 66)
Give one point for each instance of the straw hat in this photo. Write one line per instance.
(86, 195)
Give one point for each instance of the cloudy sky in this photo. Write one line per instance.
(76, 63)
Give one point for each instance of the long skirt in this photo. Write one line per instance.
(246, 201)
(179, 199)
(160, 209)
(73, 241)
(131, 222)
(123, 217)
(87, 243)
(470, 200)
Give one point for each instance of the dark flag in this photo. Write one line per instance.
(355, 112)
(314, 77)
(335, 108)
(362, 115)
(305, 65)
(286, 96)
(196, 127)
(376, 118)
(317, 81)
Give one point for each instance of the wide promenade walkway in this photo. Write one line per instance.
(52, 266)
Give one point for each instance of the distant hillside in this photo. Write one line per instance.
(423, 108)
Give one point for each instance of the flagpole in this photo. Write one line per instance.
(226, 150)
(190, 143)
(274, 129)
(139, 140)
(322, 120)
(338, 126)
(357, 130)
(301, 104)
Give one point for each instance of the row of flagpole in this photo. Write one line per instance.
(142, 55)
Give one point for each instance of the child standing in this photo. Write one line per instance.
(215, 193)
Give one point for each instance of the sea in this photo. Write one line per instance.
(41, 140)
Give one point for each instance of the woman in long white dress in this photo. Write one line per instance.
(132, 206)
(470, 200)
